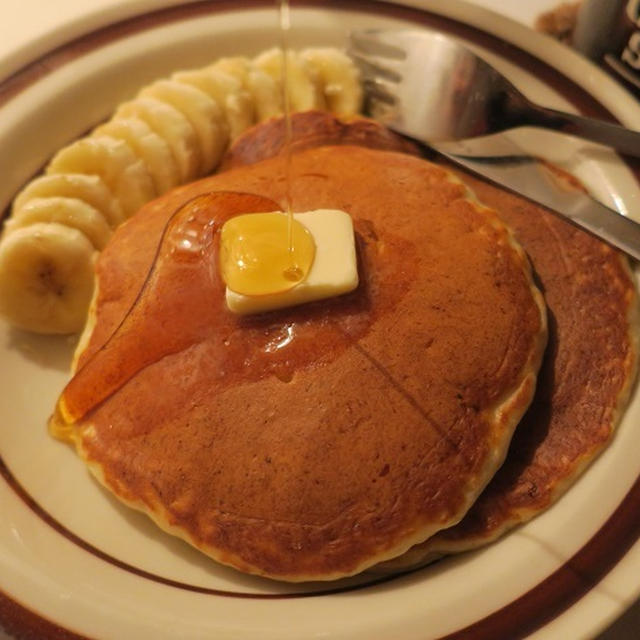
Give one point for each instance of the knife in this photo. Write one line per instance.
(501, 161)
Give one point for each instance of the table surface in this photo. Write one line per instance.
(32, 27)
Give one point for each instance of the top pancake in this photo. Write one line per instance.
(310, 443)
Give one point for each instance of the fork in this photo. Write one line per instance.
(426, 85)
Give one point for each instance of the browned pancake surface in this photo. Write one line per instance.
(380, 420)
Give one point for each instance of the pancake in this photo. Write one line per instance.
(314, 442)
(590, 364)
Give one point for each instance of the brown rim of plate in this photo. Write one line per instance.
(558, 591)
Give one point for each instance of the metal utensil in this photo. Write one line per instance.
(503, 162)
(425, 84)
(423, 115)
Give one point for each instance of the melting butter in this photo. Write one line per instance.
(332, 270)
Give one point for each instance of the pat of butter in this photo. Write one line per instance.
(334, 270)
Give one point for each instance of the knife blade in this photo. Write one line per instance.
(502, 162)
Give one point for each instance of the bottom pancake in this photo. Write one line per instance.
(309, 443)
(584, 384)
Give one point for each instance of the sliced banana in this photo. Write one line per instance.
(304, 88)
(88, 188)
(46, 277)
(265, 92)
(175, 131)
(235, 66)
(204, 114)
(148, 146)
(114, 161)
(227, 91)
(339, 77)
(70, 212)
(173, 127)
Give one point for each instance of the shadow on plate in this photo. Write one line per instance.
(49, 352)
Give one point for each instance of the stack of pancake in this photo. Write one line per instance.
(376, 429)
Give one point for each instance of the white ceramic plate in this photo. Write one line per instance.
(73, 556)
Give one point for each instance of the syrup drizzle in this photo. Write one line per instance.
(293, 272)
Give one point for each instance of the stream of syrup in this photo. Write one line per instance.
(270, 254)
(293, 272)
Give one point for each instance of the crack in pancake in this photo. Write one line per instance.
(410, 399)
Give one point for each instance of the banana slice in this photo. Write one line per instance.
(67, 211)
(88, 188)
(46, 278)
(148, 146)
(114, 161)
(173, 127)
(227, 91)
(204, 114)
(265, 92)
(339, 78)
(304, 88)
(236, 66)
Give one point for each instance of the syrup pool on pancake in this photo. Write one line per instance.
(255, 262)
(265, 253)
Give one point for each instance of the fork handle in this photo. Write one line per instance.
(612, 135)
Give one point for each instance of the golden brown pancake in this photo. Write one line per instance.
(313, 442)
(590, 364)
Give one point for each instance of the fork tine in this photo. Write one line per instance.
(368, 41)
(370, 67)
(378, 107)
(377, 91)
